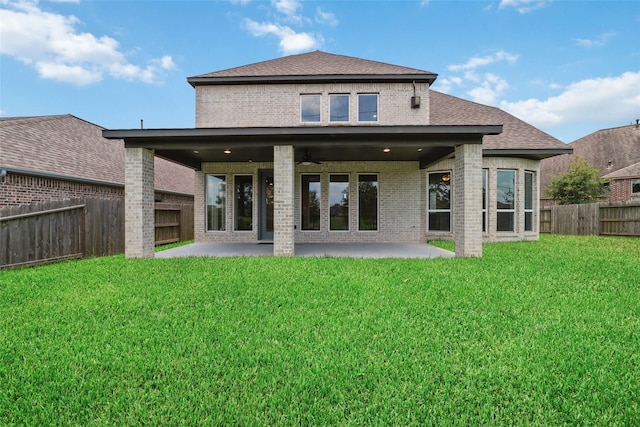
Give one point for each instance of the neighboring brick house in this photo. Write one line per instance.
(48, 158)
(329, 148)
(616, 152)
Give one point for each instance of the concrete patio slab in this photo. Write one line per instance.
(349, 250)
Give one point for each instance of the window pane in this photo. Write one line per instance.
(339, 108)
(440, 190)
(216, 202)
(311, 202)
(505, 221)
(339, 202)
(367, 108)
(310, 108)
(484, 188)
(368, 202)
(439, 221)
(506, 189)
(635, 186)
(528, 190)
(528, 221)
(244, 203)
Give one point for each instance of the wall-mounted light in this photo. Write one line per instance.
(196, 151)
(446, 177)
(227, 151)
(386, 149)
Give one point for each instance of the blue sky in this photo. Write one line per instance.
(567, 67)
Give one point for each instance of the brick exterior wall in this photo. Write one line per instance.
(18, 189)
(283, 200)
(620, 190)
(467, 198)
(279, 105)
(139, 203)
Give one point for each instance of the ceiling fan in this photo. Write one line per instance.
(307, 159)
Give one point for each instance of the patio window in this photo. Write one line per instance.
(339, 202)
(528, 201)
(338, 108)
(367, 107)
(368, 202)
(485, 179)
(506, 196)
(244, 203)
(310, 108)
(216, 202)
(635, 186)
(310, 202)
(439, 204)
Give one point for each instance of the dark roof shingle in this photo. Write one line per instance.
(69, 146)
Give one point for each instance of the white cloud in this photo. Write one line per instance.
(599, 41)
(290, 41)
(490, 90)
(598, 100)
(51, 44)
(242, 2)
(287, 7)
(323, 17)
(524, 6)
(476, 62)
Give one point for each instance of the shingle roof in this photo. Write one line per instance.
(449, 110)
(631, 171)
(312, 65)
(608, 149)
(69, 146)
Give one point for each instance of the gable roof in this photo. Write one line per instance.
(631, 171)
(64, 145)
(314, 67)
(607, 149)
(516, 135)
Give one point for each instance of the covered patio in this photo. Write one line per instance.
(339, 250)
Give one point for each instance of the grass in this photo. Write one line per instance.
(533, 333)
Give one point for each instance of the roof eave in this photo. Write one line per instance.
(324, 78)
(527, 153)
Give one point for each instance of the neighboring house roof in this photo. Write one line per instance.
(64, 145)
(516, 135)
(314, 67)
(632, 171)
(608, 149)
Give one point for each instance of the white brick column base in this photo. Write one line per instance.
(139, 203)
(467, 200)
(283, 200)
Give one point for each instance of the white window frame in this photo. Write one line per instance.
(377, 114)
(635, 181)
(429, 210)
(377, 203)
(485, 210)
(302, 175)
(312, 95)
(206, 202)
(533, 201)
(515, 200)
(348, 107)
(348, 175)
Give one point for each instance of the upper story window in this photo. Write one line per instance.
(368, 107)
(310, 108)
(338, 108)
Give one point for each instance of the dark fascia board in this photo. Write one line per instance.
(536, 154)
(327, 78)
(300, 135)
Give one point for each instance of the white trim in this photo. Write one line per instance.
(449, 211)
(515, 198)
(377, 95)
(319, 95)
(348, 95)
(206, 202)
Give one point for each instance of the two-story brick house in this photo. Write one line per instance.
(328, 148)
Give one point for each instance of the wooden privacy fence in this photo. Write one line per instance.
(620, 219)
(78, 228)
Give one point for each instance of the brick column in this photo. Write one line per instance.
(139, 203)
(467, 200)
(283, 181)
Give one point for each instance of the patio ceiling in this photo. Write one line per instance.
(191, 147)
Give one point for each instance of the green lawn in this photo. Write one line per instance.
(542, 333)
